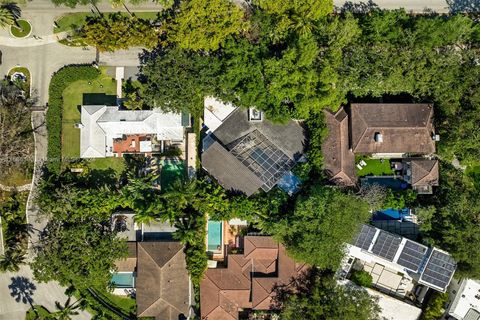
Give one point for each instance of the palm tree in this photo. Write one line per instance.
(68, 309)
(7, 18)
(12, 259)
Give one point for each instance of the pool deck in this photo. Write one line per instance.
(229, 237)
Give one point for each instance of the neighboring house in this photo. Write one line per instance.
(155, 270)
(108, 131)
(249, 281)
(464, 300)
(394, 309)
(399, 267)
(244, 151)
(381, 131)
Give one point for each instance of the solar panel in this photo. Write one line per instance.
(386, 245)
(365, 237)
(439, 269)
(412, 255)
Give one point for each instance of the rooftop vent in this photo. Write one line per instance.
(436, 137)
(378, 137)
(254, 115)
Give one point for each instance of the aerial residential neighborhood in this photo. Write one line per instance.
(239, 159)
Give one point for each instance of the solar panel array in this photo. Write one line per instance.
(262, 157)
(386, 245)
(412, 255)
(439, 269)
(365, 237)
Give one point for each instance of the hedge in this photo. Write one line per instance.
(60, 80)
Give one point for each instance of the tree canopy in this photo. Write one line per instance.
(205, 25)
(320, 297)
(323, 220)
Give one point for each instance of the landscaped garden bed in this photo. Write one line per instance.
(21, 77)
(21, 29)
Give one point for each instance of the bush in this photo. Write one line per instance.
(435, 306)
(362, 278)
(60, 80)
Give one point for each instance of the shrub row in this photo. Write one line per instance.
(60, 80)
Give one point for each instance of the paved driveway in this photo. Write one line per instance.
(17, 289)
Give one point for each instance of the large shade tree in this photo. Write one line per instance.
(323, 221)
(205, 25)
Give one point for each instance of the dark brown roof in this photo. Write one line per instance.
(249, 280)
(163, 283)
(405, 128)
(229, 171)
(338, 158)
(128, 264)
(424, 172)
(288, 137)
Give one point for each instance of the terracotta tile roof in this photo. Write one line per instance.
(424, 172)
(338, 158)
(249, 280)
(405, 128)
(162, 282)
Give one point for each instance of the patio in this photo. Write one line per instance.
(386, 279)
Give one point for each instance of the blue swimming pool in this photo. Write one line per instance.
(214, 239)
(391, 214)
(123, 279)
(392, 183)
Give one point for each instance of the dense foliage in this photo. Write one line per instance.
(204, 25)
(324, 219)
(16, 138)
(60, 80)
(361, 278)
(116, 31)
(452, 222)
(435, 306)
(78, 247)
(321, 297)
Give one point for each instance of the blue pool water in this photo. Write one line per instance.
(214, 239)
(387, 182)
(391, 214)
(123, 279)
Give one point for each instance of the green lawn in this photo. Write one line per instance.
(374, 167)
(21, 28)
(73, 98)
(125, 304)
(74, 20)
(117, 164)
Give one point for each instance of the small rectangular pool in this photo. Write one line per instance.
(123, 280)
(172, 170)
(391, 214)
(214, 238)
(389, 182)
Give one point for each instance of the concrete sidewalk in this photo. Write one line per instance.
(32, 42)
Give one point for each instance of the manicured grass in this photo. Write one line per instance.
(117, 164)
(42, 313)
(72, 21)
(73, 97)
(25, 86)
(21, 28)
(375, 167)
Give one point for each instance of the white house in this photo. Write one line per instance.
(108, 131)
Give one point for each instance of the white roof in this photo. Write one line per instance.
(466, 299)
(394, 309)
(215, 112)
(101, 124)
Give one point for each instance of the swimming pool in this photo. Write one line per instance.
(214, 239)
(391, 214)
(123, 280)
(389, 182)
(172, 170)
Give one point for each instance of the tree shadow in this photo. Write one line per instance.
(22, 289)
(358, 8)
(464, 6)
